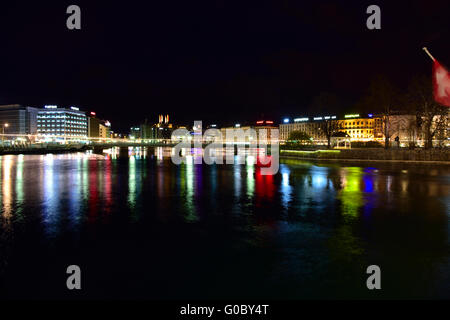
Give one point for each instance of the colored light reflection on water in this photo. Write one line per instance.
(304, 232)
(286, 188)
(351, 194)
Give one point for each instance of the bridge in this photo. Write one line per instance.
(34, 144)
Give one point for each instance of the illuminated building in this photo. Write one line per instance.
(98, 128)
(62, 123)
(19, 119)
(93, 126)
(267, 125)
(161, 130)
(364, 128)
(361, 128)
(135, 133)
(105, 129)
(409, 133)
(309, 125)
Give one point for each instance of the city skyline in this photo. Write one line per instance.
(271, 61)
(223, 159)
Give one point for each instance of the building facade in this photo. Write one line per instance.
(310, 125)
(60, 124)
(93, 126)
(361, 128)
(17, 119)
(161, 130)
(105, 130)
(401, 129)
(98, 128)
(263, 130)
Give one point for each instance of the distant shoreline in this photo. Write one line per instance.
(367, 160)
(415, 156)
(42, 151)
(430, 157)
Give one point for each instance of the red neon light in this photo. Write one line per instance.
(93, 113)
(259, 122)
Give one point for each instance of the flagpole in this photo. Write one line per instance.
(428, 53)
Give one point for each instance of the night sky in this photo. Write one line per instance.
(216, 61)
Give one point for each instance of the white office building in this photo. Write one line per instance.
(61, 124)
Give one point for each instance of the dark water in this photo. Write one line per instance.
(142, 227)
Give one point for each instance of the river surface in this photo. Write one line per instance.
(142, 227)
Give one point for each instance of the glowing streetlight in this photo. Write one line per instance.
(5, 125)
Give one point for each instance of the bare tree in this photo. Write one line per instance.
(329, 127)
(381, 98)
(323, 104)
(300, 136)
(431, 117)
(411, 129)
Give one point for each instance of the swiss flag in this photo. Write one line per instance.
(441, 84)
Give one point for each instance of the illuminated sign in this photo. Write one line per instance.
(301, 119)
(286, 120)
(351, 116)
(269, 122)
(74, 108)
(237, 125)
(213, 125)
(370, 115)
(92, 113)
(50, 107)
(318, 118)
(259, 122)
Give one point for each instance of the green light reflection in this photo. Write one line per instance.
(351, 195)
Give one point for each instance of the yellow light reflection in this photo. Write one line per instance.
(19, 186)
(351, 195)
(7, 188)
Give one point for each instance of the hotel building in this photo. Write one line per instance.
(359, 128)
(60, 124)
(309, 125)
(362, 128)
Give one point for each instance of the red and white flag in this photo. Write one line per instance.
(441, 84)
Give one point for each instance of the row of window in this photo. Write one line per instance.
(69, 124)
(60, 130)
(63, 120)
(60, 125)
(359, 131)
(60, 116)
(71, 134)
(357, 123)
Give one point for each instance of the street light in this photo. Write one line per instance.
(6, 125)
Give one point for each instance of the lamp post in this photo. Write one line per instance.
(6, 125)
